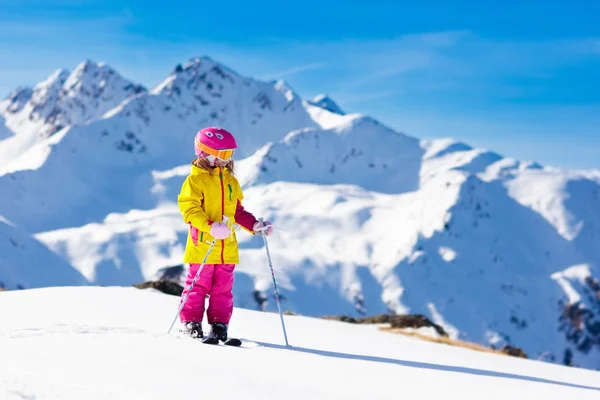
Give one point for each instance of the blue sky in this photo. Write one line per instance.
(518, 77)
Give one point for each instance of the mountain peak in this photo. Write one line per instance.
(86, 67)
(283, 87)
(66, 98)
(95, 76)
(49, 88)
(16, 100)
(203, 63)
(58, 76)
(197, 73)
(327, 103)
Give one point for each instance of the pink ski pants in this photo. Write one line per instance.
(216, 280)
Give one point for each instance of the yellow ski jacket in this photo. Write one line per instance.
(205, 197)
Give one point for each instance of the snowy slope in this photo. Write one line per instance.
(27, 263)
(461, 248)
(360, 151)
(99, 343)
(124, 248)
(5, 133)
(368, 220)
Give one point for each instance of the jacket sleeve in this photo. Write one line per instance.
(190, 204)
(243, 217)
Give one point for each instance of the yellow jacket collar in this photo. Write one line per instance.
(196, 170)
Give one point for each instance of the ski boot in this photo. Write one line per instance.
(194, 329)
(218, 333)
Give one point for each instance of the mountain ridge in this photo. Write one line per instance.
(368, 219)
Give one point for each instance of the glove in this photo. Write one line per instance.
(263, 228)
(219, 230)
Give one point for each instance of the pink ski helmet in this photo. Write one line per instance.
(215, 142)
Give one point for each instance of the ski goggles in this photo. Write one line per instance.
(224, 154)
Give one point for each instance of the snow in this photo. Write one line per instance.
(529, 189)
(440, 157)
(26, 118)
(344, 260)
(62, 100)
(38, 266)
(440, 147)
(438, 319)
(124, 248)
(16, 100)
(428, 331)
(32, 154)
(327, 103)
(4, 131)
(388, 162)
(111, 343)
(325, 118)
(572, 295)
(447, 253)
(368, 220)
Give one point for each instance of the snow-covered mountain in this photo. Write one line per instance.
(99, 343)
(359, 151)
(25, 262)
(64, 99)
(368, 220)
(145, 132)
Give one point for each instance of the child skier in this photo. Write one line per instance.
(211, 204)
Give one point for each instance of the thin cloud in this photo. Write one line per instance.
(408, 63)
(590, 46)
(295, 70)
(371, 61)
(364, 97)
(78, 30)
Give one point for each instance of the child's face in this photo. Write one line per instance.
(220, 163)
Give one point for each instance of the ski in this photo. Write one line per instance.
(229, 342)
(233, 342)
(213, 340)
(210, 340)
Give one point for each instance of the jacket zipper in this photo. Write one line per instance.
(222, 213)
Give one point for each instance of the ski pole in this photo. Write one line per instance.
(274, 285)
(192, 285)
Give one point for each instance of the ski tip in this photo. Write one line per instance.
(210, 340)
(233, 342)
